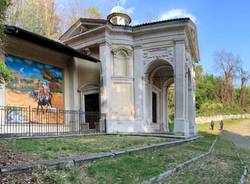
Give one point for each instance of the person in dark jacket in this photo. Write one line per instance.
(221, 125)
(212, 125)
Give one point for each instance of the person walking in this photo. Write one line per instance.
(221, 125)
(212, 125)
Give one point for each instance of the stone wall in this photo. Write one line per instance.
(205, 119)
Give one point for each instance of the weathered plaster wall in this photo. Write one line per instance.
(88, 73)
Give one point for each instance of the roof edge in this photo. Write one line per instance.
(46, 42)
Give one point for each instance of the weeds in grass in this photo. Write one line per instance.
(222, 166)
(74, 175)
(54, 148)
(55, 178)
(138, 167)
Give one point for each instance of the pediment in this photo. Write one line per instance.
(80, 29)
(81, 26)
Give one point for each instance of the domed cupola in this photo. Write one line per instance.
(119, 16)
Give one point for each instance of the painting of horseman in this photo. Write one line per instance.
(34, 84)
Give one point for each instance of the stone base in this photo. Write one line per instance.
(181, 127)
(131, 126)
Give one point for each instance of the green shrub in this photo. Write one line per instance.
(5, 73)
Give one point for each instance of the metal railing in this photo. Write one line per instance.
(27, 121)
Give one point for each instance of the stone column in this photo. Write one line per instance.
(147, 104)
(72, 119)
(180, 126)
(139, 83)
(187, 84)
(165, 109)
(191, 109)
(194, 107)
(76, 96)
(105, 83)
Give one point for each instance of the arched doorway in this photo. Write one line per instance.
(170, 107)
(159, 76)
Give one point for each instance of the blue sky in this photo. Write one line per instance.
(222, 24)
(32, 69)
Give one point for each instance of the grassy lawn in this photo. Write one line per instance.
(222, 166)
(52, 148)
(133, 168)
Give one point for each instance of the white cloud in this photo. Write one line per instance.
(177, 13)
(131, 10)
(122, 2)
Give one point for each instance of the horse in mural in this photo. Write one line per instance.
(44, 101)
(43, 96)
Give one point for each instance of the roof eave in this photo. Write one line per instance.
(46, 42)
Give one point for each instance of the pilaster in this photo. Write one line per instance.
(76, 96)
(181, 125)
(105, 58)
(139, 85)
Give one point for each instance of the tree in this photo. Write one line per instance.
(4, 4)
(244, 77)
(68, 18)
(198, 71)
(4, 71)
(46, 17)
(228, 64)
(206, 90)
(76, 11)
(38, 16)
(92, 12)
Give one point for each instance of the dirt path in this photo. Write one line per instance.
(242, 128)
(239, 134)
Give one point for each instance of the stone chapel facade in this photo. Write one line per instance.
(137, 66)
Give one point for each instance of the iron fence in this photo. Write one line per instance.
(27, 121)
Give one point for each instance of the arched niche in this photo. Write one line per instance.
(122, 62)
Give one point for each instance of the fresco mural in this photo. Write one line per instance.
(34, 84)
